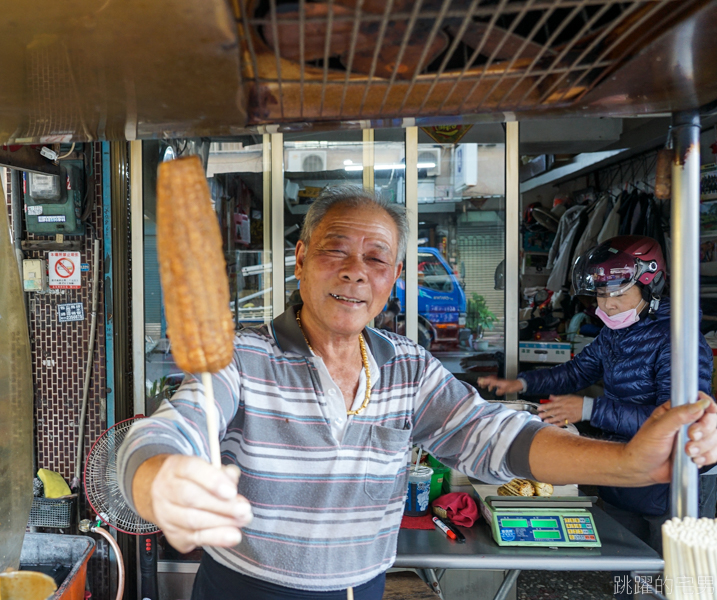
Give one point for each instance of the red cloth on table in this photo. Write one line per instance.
(460, 507)
(423, 522)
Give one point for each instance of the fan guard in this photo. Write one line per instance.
(102, 483)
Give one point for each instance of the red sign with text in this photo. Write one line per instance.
(64, 270)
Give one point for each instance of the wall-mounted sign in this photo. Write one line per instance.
(446, 134)
(64, 270)
(67, 313)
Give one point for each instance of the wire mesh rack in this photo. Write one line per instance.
(362, 59)
(54, 513)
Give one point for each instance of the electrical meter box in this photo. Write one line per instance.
(54, 204)
(34, 275)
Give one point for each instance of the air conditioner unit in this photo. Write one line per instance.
(429, 156)
(222, 147)
(306, 161)
(465, 166)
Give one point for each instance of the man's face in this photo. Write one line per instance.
(349, 268)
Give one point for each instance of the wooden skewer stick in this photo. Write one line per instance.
(199, 321)
(212, 420)
(349, 593)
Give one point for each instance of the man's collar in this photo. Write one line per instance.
(289, 337)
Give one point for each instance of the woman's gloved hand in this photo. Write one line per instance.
(501, 386)
(562, 410)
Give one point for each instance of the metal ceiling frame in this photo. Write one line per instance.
(580, 42)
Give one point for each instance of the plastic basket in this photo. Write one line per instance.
(52, 512)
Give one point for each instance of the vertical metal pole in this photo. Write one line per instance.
(512, 247)
(109, 284)
(412, 249)
(685, 296)
(108, 289)
(266, 218)
(368, 160)
(16, 201)
(137, 233)
(369, 183)
(277, 224)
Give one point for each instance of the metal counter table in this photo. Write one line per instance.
(431, 553)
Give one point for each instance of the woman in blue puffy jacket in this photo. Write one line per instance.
(632, 357)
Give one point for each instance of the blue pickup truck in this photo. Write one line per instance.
(441, 301)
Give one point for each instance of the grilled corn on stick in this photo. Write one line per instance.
(194, 279)
(516, 487)
(541, 489)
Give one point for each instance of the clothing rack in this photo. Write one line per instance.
(623, 204)
(638, 169)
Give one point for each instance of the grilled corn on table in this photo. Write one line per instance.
(431, 553)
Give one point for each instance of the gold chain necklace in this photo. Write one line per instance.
(364, 360)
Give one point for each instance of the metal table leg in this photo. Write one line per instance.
(432, 580)
(510, 578)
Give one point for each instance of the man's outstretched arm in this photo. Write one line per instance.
(559, 457)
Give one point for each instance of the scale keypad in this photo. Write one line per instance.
(579, 529)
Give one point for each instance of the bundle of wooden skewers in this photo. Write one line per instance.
(690, 549)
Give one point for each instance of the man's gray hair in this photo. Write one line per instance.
(353, 196)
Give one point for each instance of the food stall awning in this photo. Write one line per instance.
(86, 70)
(82, 70)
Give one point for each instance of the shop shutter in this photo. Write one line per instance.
(481, 247)
(152, 289)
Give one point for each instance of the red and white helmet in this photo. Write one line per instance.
(613, 267)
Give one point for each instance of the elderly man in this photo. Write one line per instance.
(319, 412)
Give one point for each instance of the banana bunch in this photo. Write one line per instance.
(525, 488)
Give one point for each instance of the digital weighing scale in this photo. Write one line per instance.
(554, 521)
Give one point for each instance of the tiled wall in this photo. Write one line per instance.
(59, 360)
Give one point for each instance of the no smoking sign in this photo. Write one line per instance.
(64, 270)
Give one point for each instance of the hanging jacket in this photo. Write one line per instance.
(612, 223)
(570, 226)
(633, 213)
(655, 226)
(639, 216)
(634, 365)
(627, 208)
(596, 220)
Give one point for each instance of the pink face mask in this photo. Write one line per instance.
(620, 320)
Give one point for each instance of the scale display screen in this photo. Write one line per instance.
(546, 535)
(514, 522)
(550, 523)
(546, 530)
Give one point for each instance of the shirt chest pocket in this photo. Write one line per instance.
(386, 458)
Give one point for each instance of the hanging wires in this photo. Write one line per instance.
(66, 154)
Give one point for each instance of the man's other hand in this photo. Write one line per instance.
(193, 503)
(501, 386)
(650, 451)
